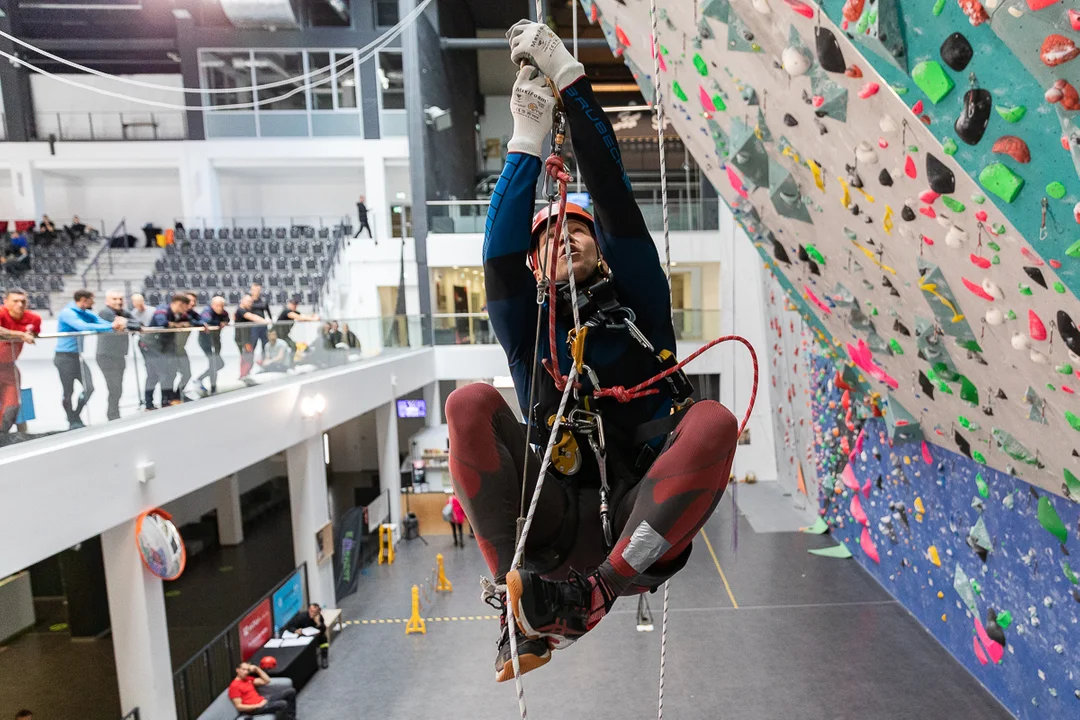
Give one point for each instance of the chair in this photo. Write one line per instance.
(205, 264)
(212, 280)
(204, 297)
(197, 280)
(281, 297)
(274, 280)
(237, 233)
(324, 233)
(236, 262)
(295, 263)
(243, 280)
(305, 280)
(180, 280)
(288, 247)
(229, 248)
(221, 263)
(274, 247)
(258, 247)
(191, 263)
(312, 297)
(294, 232)
(244, 247)
(317, 248)
(281, 263)
(200, 248)
(179, 234)
(68, 265)
(227, 280)
(309, 232)
(159, 265)
(266, 233)
(193, 234)
(234, 297)
(252, 233)
(184, 247)
(289, 280)
(164, 281)
(148, 282)
(303, 247)
(280, 233)
(214, 248)
(258, 279)
(153, 299)
(223, 233)
(56, 283)
(251, 262)
(175, 265)
(266, 262)
(310, 263)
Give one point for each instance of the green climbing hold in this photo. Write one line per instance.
(968, 391)
(993, 246)
(944, 387)
(1012, 114)
(837, 551)
(1065, 369)
(954, 205)
(677, 90)
(1004, 619)
(1050, 387)
(1010, 315)
(1025, 289)
(1072, 484)
(978, 199)
(1001, 181)
(984, 489)
(913, 148)
(1058, 287)
(1055, 190)
(1073, 250)
(995, 260)
(1074, 421)
(899, 90)
(999, 229)
(949, 146)
(663, 50)
(895, 346)
(939, 7)
(1050, 521)
(873, 312)
(719, 102)
(932, 80)
(978, 457)
(815, 255)
(963, 421)
(1069, 574)
(701, 65)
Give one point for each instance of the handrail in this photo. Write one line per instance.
(204, 328)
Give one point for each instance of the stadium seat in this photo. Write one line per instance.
(223, 233)
(303, 247)
(153, 299)
(310, 263)
(281, 297)
(164, 280)
(159, 265)
(289, 280)
(229, 248)
(251, 262)
(204, 297)
(280, 233)
(324, 233)
(252, 233)
(244, 247)
(266, 233)
(295, 263)
(148, 282)
(281, 263)
(243, 280)
(180, 280)
(196, 280)
(200, 248)
(191, 263)
(236, 262)
(258, 247)
(294, 232)
(237, 233)
(175, 265)
(274, 280)
(288, 247)
(212, 280)
(274, 247)
(179, 234)
(234, 297)
(266, 263)
(227, 280)
(317, 248)
(205, 263)
(194, 234)
(309, 232)
(221, 263)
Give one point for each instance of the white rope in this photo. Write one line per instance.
(211, 91)
(659, 106)
(171, 106)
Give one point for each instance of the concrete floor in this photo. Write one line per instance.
(814, 638)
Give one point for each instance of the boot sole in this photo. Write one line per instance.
(515, 590)
(528, 663)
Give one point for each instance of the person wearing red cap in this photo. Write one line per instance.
(17, 326)
(251, 693)
(632, 482)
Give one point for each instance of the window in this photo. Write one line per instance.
(339, 80)
(391, 81)
(224, 70)
(346, 80)
(322, 90)
(386, 13)
(276, 68)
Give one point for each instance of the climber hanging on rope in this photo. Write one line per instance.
(659, 461)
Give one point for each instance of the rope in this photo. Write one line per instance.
(663, 652)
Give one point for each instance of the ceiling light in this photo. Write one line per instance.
(312, 405)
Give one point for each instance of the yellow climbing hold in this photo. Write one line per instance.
(845, 200)
(932, 553)
(919, 505)
(932, 289)
(940, 595)
(868, 196)
(942, 617)
(887, 222)
(907, 460)
(815, 169)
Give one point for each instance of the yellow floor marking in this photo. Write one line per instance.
(719, 569)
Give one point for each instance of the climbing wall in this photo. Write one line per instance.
(908, 170)
(976, 555)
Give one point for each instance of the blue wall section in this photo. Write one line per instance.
(1039, 676)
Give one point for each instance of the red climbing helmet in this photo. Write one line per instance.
(269, 662)
(576, 211)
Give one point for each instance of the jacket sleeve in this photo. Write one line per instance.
(511, 287)
(88, 323)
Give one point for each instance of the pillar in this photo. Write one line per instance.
(28, 190)
(139, 630)
(230, 520)
(386, 434)
(17, 102)
(375, 197)
(310, 511)
(200, 196)
(434, 405)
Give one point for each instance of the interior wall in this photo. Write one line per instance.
(367, 267)
(279, 194)
(52, 96)
(138, 196)
(7, 197)
(193, 506)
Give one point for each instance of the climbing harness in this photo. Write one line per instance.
(598, 304)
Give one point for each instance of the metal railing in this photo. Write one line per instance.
(104, 250)
(77, 126)
(208, 673)
(470, 216)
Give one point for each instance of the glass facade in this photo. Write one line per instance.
(298, 93)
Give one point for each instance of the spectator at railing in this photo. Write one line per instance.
(251, 692)
(332, 336)
(291, 314)
(246, 321)
(183, 362)
(260, 307)
(112, 350)
(276, 355)
(349, 337)
(161, 365)
(214, 318)
(17, 263)
(140, 310)
(17, 326)
(74, 318)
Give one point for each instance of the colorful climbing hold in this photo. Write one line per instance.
(1000, 180)
(1011, 114)
(948, 146)
(954, 205)
(1051, 521)
(1073, 420)
(1055, 190)
(677, 90)
(1014, 147)
(701, 65)
(975, 116)
(984, 489)
(932, 80)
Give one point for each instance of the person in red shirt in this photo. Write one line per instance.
(244, 691)
(17, 326)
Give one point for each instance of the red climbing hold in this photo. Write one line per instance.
(1057, 49)
(1062, 92)
(853, 10)
(818, 101)
(1074, 19)
(927, 240)
(975, 11)
(917, 107)
(980, 216)
(909, 167)
(1054, 263)
(621, 36)
(926, 454)
(868, 545)
(868, 90)
(1036, 329)
(976, 289)
(929, 196)
(853, 71)
(1012, 146)
(928, 212)
(1068, 389)
(1032, 258)
(1040, 4)
(802, 8)
(982, 262)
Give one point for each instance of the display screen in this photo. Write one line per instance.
(288, 600)
(411, 408)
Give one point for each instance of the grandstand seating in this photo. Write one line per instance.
(287, 262)
(51, 266)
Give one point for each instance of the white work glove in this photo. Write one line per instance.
(538, 45)
(531, 105)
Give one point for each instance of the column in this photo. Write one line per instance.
(386, 434)
(15, 96)
(200, 197)
(28, 190)
(310, 511)
(375, 197)
(139, 630)
(230, 520)
(434, 405)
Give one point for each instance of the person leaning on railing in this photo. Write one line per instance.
(17, 326)
(247, 321)
(77, 317)
(214, 318)
(290, 315)
(112, 350)
(160, 349)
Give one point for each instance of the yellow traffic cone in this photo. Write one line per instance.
(416, 623)
(443, 585)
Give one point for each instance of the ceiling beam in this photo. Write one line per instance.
(107, 45)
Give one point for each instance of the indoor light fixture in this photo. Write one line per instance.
(312, 405)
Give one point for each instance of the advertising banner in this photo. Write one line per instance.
(255, 630)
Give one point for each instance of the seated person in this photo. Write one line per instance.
(277, 355)
(17, 264)
(251, 693)
(76, 229)
(46, 233)
(313, 619)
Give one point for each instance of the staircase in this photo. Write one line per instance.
(128, 270)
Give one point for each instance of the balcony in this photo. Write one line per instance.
(98, 126)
